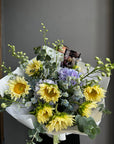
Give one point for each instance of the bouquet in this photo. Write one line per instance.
(55, 93)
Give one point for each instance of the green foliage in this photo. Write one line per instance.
(6, 100)
(103, 109)
(34, 134)
(5, 69)
(55, 139)
(37, 49)
(58, 45)
(19, 55)
(44, 31)
(48, 65)
(87, 126)
(104, 69)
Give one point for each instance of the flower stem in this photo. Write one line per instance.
(89, 73)
(56, 108)
(75, 102)
(55, 139)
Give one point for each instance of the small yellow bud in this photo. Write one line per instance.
(78, 80)
(96, 81)
(42, 24)
(106, 65)
(87, 65)
(44, 27)
(108, 74)
(100, 62)
(97, 58)
(107, 69)
(99, 78)
(88, 68)
(98, 67)
(103, 74)
(46, 38)
(3, 105)
(18, 56)
(107, 59)
(81, 76)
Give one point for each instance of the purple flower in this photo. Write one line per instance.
(66, 73)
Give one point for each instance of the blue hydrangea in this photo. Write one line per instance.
(65, 74)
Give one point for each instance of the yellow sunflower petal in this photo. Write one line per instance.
(49, 92)
(18, 87)
(86, 108)
(33, 67)
(44, 114)
(60, 122)
(94, 93)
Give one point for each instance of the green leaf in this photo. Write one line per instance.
(103, 109)
(37, 50)
(38, 138)
(43, 52)
(54, 65)
(40, 57)
(48, 58)
(47, 65)
(87, 125)
(82, 124)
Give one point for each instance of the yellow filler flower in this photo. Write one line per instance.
(33, 67)
(60, 122)
(85, 109)
(18, 87)
(44, 114)
(94, 93)
(49, 92)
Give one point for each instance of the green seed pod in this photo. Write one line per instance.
(46, 38)
(98, 67)
(96, 81)
(3, 105)
(100, 62)
(78, 80)
(108, 60)
(107, 69)
(108, 74)
(99, 78)
(87, 65)
(44, 27)
(106, 65)
(97, 58)
(103, 74)
(42, 24)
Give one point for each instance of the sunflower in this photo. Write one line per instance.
(94, 93)
(18, 87)
(33, 67)
(86, 108)
(60, 122)
(49, 92)
(44, 114)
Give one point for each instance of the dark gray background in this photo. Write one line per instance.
(85, 25)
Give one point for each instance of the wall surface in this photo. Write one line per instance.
(84, 26)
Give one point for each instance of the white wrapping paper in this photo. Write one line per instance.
(22, 114)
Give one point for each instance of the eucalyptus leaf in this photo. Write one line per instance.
(87, 125)
(40, 57)
(37, 49)
(43, 52)
(47, 58)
